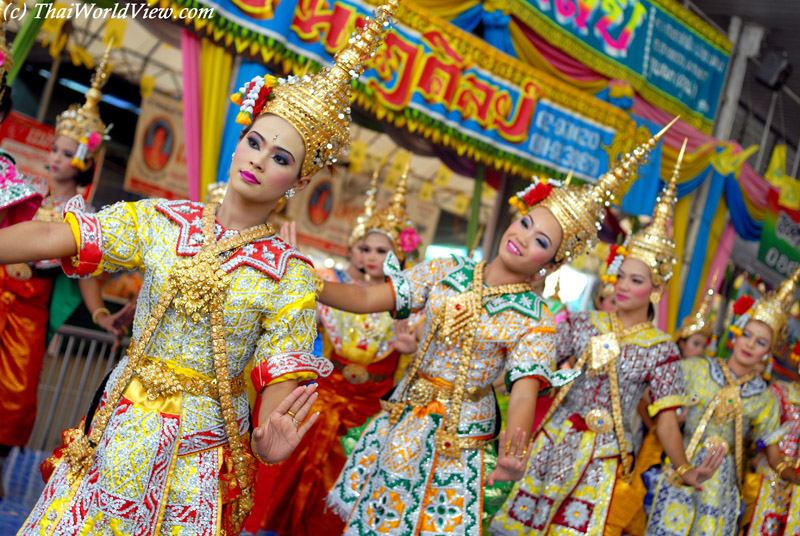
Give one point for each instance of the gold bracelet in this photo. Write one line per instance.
(683, 469)
(97, 312)
(261, 460)
(319, 284)
(785, 464)
(675, 476)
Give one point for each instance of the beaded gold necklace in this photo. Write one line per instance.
(195, 284)
(455, 323)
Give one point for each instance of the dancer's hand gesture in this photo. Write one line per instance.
(512, 460)
(695, 477)
(282, 431)
(404, 341)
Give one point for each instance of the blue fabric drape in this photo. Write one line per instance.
(745, 225)
(496, 32)
(469, 19)
(699, 253)
(230, 136)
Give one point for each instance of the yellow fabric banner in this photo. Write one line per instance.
(215, 72)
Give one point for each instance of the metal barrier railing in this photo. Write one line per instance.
(70, 377)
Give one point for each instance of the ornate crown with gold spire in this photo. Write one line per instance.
(581, 210)
(6, 63)
(82, 123)
(773, 309)
(700, 321)
(653, 245)
(360, 228)
(393, 221)
(318, 105)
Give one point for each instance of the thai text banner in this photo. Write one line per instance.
(423, 71)
(648, 41)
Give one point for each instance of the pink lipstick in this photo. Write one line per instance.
(249, 177)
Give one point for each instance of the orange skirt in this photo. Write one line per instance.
(23, 326)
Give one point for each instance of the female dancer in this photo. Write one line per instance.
(169, 451)
(777, 507)
(418, 466)
(692, 339)
(364, 350)
(578, 481)
(22, 330)
(728, 401)
(33, 287)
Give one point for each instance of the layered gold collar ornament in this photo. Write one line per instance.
(600, 357)
(318, 105)
(700, 321)
(581, 210)
(653, 245)
(725, 406)
(6, 63)
(456, 323)
(774, 309)
(198, 285)
(82, 123)
(394, 223)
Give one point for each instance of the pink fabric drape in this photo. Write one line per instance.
(562, 61)
(721, 257)
(190, 48)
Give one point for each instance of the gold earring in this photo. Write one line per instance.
(655, 297)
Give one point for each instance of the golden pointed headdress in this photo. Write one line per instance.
(653, 245)
(82, 123)
(773, 309)
(318, 105)
(393, 221)
(581, 210)
(6, 63)
(360, 228)
(700, 321)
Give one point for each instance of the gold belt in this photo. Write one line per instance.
(161, 380)
(423, 391)
(356, 374)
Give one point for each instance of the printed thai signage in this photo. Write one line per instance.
(780, 237)
(429, 77)
(667, 53)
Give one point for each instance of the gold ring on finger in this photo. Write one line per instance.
(292, 415)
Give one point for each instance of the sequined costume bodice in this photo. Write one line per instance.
(648, 358)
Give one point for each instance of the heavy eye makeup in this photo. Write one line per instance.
(527, 223)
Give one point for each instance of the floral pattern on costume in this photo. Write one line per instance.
(777, 508)
(163, 460)
(684, 511)
(395, 481)
(572, 475)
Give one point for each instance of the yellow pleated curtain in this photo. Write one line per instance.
(447, 9)
(215, 73)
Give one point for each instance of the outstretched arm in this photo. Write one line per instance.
(35, 241)
(358, 299)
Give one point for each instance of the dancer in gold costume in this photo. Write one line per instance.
(727, 401)
(364, 350)
(578, 480)
(418, 467)
(169, 449)
(777, 506)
